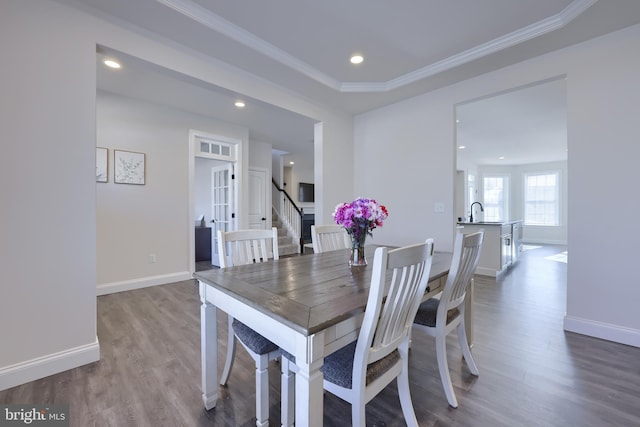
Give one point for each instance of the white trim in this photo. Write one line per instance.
(197, 13)
(484, 271)
(545, 242)
(605, 331)
(144, 282)
(191, 166)
(521, 35)
(41, 367)
(214, 22)
(239, 184)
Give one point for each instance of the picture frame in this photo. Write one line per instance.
(102, 164)
(129, 167)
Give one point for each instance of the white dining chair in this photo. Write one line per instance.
(242, 247)
(329, 238)
(359, 371)
(437, 317)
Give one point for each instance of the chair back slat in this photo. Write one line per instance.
(242, 247)
(327, 238)
(396, 312)
(399, 280)
(466, 254)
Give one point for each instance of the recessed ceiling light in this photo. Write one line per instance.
(462, 147)
(357, 59)
(501, 158)
(239, 104)
(111, 63)
(292, 163)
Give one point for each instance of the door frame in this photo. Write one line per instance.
(240, 160)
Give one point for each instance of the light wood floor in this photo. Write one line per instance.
(532, 373)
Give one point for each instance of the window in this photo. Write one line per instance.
(495, 190)
(471, 179)
(541, 199)
(213, 149)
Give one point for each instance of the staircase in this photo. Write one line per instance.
(286, 244)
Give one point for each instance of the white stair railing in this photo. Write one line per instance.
(289, 213)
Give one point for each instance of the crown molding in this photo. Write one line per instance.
(214, 22)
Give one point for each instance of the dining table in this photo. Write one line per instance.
(309, 305)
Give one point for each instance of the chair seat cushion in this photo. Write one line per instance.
(427, 313)
(338, 366)
(256, 342)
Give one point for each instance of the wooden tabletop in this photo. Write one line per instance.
(308, 292)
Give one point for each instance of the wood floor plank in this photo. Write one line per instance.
(532, 373)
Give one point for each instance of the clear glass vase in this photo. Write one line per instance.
(358, 258)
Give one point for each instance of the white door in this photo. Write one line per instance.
(222, 205)
(258, 199)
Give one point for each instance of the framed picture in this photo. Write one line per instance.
(128, 167)
(102, 162)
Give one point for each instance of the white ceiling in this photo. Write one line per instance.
(285, 130)
(523, 126)
(410, 46)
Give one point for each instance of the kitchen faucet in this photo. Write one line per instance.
(481, 210)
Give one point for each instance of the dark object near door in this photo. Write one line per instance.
(203, 244)
(307, 221)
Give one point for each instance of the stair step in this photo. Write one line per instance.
(285, 240)
(287, 249)
(286, 244)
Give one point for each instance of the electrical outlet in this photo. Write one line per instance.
(152, 258)
(438, 207)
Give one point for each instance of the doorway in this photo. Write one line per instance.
(517, 134)
(213, 188)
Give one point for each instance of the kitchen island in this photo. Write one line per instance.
(501, 246)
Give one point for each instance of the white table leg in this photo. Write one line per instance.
(309, 395)
(208, 349)
(309, 399)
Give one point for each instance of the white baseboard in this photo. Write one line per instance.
(544, 242)
(483, 271)
(603, 331)
(34, 369)
(144, 282)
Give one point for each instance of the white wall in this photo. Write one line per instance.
(48, 139)
(47, 188)
(603, 110)
(405, 161)
(412, 142)
(260, 157)
(136, 221)
(334, 176)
